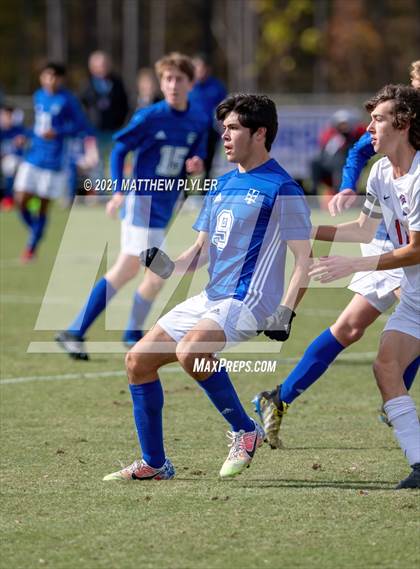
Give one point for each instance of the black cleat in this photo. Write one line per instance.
(412, 480)
(72, 344)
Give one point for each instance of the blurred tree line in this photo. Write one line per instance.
(278, 46)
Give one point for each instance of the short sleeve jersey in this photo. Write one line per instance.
(162, 139)
(397, 201)
(250, 217)
(60, 112)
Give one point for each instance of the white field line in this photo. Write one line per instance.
(25, 299)
(357, 356)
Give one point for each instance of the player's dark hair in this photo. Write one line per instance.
(57, 68)
(406, 109)
(182, 62)
(254, 111)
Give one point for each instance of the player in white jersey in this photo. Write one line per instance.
(375, 292)
(246, 225)
(393, 193)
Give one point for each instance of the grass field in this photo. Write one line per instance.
(326, 502)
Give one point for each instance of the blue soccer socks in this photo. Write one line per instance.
(37, 230)
(320, 353)
(221, 392)
(101, 294)
(139, 311)
(147, 410)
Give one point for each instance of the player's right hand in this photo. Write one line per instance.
(157, 261)
(342, 201)
(114, 204)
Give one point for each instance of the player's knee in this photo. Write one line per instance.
(348, 333)
(134, 366)
(185, 356)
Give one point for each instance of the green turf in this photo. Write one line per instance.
(327, 501)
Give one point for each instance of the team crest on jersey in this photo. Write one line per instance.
(251, 196)
(404, 205)
(55, 109)
(191, 136)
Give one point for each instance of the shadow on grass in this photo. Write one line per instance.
(333, 484)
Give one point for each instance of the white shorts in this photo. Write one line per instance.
(405, 319)
(233, 317)
(40, 182)
(378, 287)
(136, 239)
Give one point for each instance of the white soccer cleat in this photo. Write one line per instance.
(242, 449)
(140, 470)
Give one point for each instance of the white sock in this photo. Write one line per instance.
(402, 414)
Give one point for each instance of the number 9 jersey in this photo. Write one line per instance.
(250, 217)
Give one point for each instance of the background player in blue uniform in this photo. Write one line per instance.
(375, 293)
(42, 174)
(169, 140)
(245, 227)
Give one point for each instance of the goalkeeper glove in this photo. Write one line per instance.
(157, 261)
(278, 325)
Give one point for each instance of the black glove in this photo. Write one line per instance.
(158, 262)
(278, 326)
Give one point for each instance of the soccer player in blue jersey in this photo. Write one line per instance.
(41, 174)
(375, 293)
(246, 224)
(169, 139)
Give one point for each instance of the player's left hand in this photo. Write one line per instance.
(279, 325)
(329, 269)
(194, 165)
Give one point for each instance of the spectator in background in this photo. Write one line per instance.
(105, 100)
(148, 91)
(208, 92)
(12, 142)
(334, 143)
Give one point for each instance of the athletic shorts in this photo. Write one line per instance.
(136, 239)
(405, 319)
(47, 184)
(233, 317)
(378, 287)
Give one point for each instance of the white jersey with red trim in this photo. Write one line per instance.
(397, 200)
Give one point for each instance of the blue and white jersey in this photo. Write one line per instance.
(250, 217)
(60, 112)
(162, 139)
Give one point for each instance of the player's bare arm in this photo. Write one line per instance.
(331, 268)
(362, 230)
(194, 257)
(300, 278)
